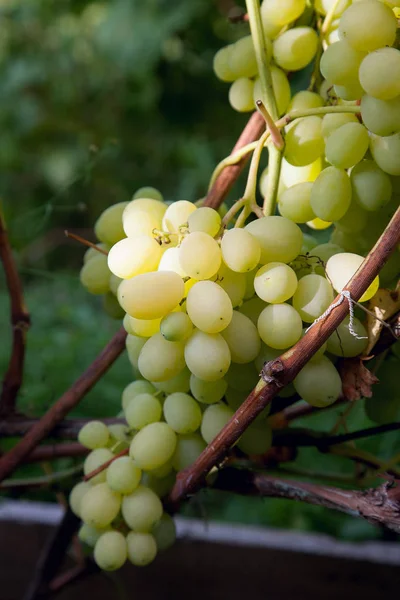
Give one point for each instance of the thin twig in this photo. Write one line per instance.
(43, 481)
(104, 466)
(54, 451)
(67, 429)
(85, 242)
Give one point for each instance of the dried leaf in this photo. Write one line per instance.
(383, 305)
(357, 380)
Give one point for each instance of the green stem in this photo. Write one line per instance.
(250, 191)
(274, 172)
(234, 209)
(329, 17)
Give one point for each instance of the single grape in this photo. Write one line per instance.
(368, 25)
(380, 73)
(241, 95)
(207, 355)
(252, 308)
(382, 117)
(207, 392)
(151, 295)
(371, 187)
(176, 327)
(304, 100)
(142, 327)
(134, 345)
(141, 509)
(148, 191)
(279, 326)
(221, 65)
(142, 410)
(294, 203)
(179, 383)
(319, 224)
(160, 360)
(340, 63)
(343, 343)
(349, 92)
(142, 215)
(95, 459)
(313, 296)
(153, 446)
(205, 219)
(280, 239)
(331, 122)
(325, 6)
(354, 220)
(281, 87)
(142, 548)
(164, 532)
(215, 417)
(108, 227)
(199, 255)
(331, 194)
(291, 175)
(240, 250)
(233, 283)
(177, 215)
(346, 146)
(275, 282)
(304, 141)
(132, 256)
(340, 268)
(283, 12)
(110, 551)
(319, 383)
(95, 275)
(76, 496)
(89, 535)
(242, 338)
(170, 261)
(385, 152)
(295, 48)
(209, 307)
(100, 505)
(182, 413)
(140, 386)
(242, 58)
(93, 435)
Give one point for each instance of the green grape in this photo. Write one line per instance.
(340, 63)
(111, 306)
(281, 87)
(142, 548)
(170, 261)
(176, 327)
(200, 255)
(294, 203)
(331, 194)
(344, 343)
(100, 505)
(241, 95)
(385, 152)
(384, 406)
(160, 360)
(291, 175)
(207, 392)
(312, 297)
(275, 282)
(110, 551)
(151, 295)
(380, 73)
(242, 338)
(142, 327)
(148, 192)
(263, 183)
(350, 92)
(142, 410)
(325, 6)
(95, 275)
(108, 227)
(179, 383)
(209, 307)
(94, 460)
(256, 440)
(142, 215)
(242, 377)
(123, 475)
(371, 187)
(141, 509)
(207, 355)
(164, 532)
(92, 252)
(141, 386)
(319, 383)
(89, 535)
(221, 65)
(283, 12)
(240, 250)
(153, 446)
(304, 141)
(160, 486)
(205, 219)
(76, 495)
(348, 242)
(279, 326)
(280, 239)
(233, 283)
(119, 435)
(340, 268)
(215, 417)
(177, 215)
(182, 413)
(93, 435)
(134, 345)
(132, 256)
(382, 117)
(304, 100)
(266, 355)
(331, 122)
(295, 48)
(346, 146)
(188, 448)
(163, 471)
(242, 58)
(354, 220)
(325, 251)
(368, 25)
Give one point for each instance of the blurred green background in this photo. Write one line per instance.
(96, 100)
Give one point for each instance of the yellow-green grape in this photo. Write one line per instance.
(170, 261)
(340, 268)
(291, 175)
(221, 64)
(304, 100)
(340, 63)
(160, 485)
(319, 224)
(110, 551)
(163, 471)
(294, 203)
(108, 227)
(371, 187)
(95, 275)
(346, 146)
(141, 509)
(119, 436)
(380, 73)
(151, 295)
(141, 386)
(241, 95)
(304, 141)
(242, 377)
(141, 327)
(240, 250)
(160, 360)
(164, 532)
(233, 283)
(177, 215)
(207, 392)
(343, 343)
(148, 191)
(281, 87)
(142, 548)
(179, 383)
(100, 505)
(134, 345)
(368, 25)
(309, 242)
(275, 282)
(319, 383)
(354, 220)
(325, 6)
(332, 122)
(92, 252)
(313, 296)
(349, 92)
(256, 440)
(331, 194)
(266, 354)
(123, 475)
(205, 219)
(132, 256)
(385, 152)
(382, 117)
(112, 307)
(182, 413)
(200, 255)
(242, 338)
(279, 326)
(207, 355)
(142, 215)
(93, 435)
(176, 327)
(209, 307)
(142, 410)
(94, 460)
(263, 183)
(89, 535)
(76, 496)
(295, 48)
(283, 12)
(325, 251)
(215, 417)
(242, 58)
(153, 446)
(280, 239)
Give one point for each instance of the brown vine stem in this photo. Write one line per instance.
(54, 451)
(283, 370)
(67, 429)
(20, 322)
(229, 175)
(56, 413)
(81, 240)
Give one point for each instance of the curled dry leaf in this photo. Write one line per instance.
(383, 305)
(357, 380)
